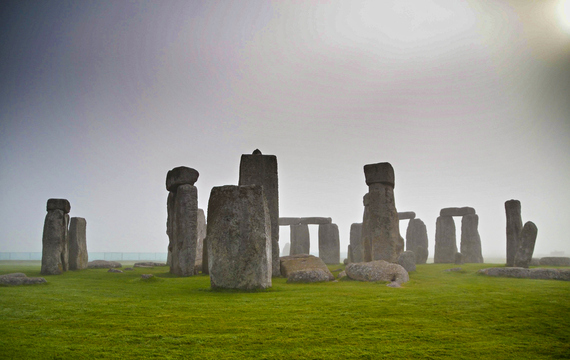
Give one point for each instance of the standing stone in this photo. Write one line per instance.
(65, 250)
(470, 239)
(78, 257)
(417, 240)
(348, 259)
(201, 227)
(329, 243)
(239, 238)
(407, 260)
(526, 242)
(205, 266)
(445, 243)
(514, 227)
(258, 169)
(300, 239)
(182, 220)
(55, 237)
(356, 248)
(459, 259)
(380, 229)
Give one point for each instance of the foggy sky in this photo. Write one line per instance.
(468, 100)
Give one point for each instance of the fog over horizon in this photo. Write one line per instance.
(468, 100)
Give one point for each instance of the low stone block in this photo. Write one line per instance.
(554, 261)
(309, 276)
(181, 175)
(16, 279)
(103, 264)
(293, 263)
(378, 270)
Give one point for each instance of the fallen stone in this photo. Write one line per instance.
(16, 279)
(59, 204)
(289, 221)
(309, 276)
(316, 220)
(408, 260)
(147, 276)
(378, 270)
(455, 211)
(406, 215)
(526, 241)
(128, 269)
(381, 173)
(148, 264)
(114, 271)
(453, 269)
(103, 264)
(554, 261)
(524, 273)
(181, 175)
(293, 263)
(394, 284)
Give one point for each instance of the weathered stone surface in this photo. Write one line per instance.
(417, 240)
(283, 221)
(293, 263)
(239, 238)
(181, 175)
(514, 228)
(148, 264)
(356, 253)
(185, 229)
(201, 229)
(454, 211)
(329, 243)
(53, 243)
(20, 279)
(380, 226)
(381, 173)
(309, 276)
(519, 272)
(445, 243)
(378, 270)
(470, 239)
(205, 269)
(258, 169)
(59, 204)
(526, 242)
(114, 271)
(459, 259)
(300, 239)
(408, 260)
(554, 261)
(316, 220)
(78, 257)
(128, 269)
(103, 264)
(406, 215)
(170, 224)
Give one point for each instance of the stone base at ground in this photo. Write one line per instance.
(103, 264)
(20, 279)
(310, 276)
(378, 270)
(524, 273)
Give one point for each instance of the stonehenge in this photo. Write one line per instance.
(520, 239)
(55, 239)
(78, 257)
(259, 169)
(239, 238)
(182, 220)
(445, 237)
(380, 230)
(329, 238)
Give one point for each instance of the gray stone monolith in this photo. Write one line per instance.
(170, 225)
(407, 260)
(258, 169)
(470, 240)
(55, 237)
(417, 240)
(380, 228)
(445, 240)
(201, 229)
(78, 257)
(239, 238)
(329, 243)
(300, 239)
(514, 228)
(526, 241)
(356, 248)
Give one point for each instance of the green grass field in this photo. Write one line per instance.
(92, 314)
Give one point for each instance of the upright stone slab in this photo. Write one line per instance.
(182, 220)
(526, 242)
(514, 228)
(445, 243)
(258, 169)
(300, 239)
(55, 237)
(470, 239)
(78, 257)
(201, 226)
(329, 243)
(380, 229)
(239, 238)
(356, 248)
(417, 240)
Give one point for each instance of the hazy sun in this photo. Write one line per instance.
(564, 13)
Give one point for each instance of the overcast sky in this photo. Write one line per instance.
(468, 100)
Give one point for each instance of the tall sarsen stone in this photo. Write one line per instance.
(514, 228)
(78, 257)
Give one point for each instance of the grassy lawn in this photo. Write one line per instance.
(92, 314)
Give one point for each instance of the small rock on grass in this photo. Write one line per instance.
(147, 276)
(114, 271)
